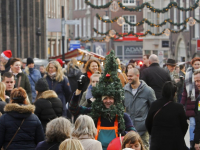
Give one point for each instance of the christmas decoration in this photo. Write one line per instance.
(167, 32)
(112, 33)
(107, 39)
(114, 7)
(108, 75)
(191, 21)
(148, 5)
(120, 21)
(112, 88)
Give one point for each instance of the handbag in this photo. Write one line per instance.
(161, 108)
(14, 135)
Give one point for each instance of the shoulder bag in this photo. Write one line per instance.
(161, 108)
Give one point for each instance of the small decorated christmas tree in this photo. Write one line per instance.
(109, 85)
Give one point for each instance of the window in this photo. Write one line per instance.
(149, 18)
(95, 25)
(80, 4)
(80, 28)
(104, 27)
(59, 8)
(89, 27)
(104, 2)
(76, 30)
(155, 52)
(196, 25)
(95, 2)
(181, 13)
(129, 2)
(75, 4)
(99, 26)
(99, 2)
(127, 28)
(187, 13)
(175, 16)
(84, 5)
(84, 27)
(88, 5)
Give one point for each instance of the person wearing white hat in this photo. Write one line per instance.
(5, 59)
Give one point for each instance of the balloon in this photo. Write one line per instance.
(115, 144)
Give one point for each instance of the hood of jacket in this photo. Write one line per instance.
(7, 66)
(127, 87)
(73, 72)
(49, 94)
(19, 111)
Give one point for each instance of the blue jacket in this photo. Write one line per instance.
(35, 74)
(30, 133)
(62, 89)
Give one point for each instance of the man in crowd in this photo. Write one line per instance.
(145, 63)
(155, 76)
(5, 59)
(170, 67)
(42, 70)
(8, 79)
(138, 99)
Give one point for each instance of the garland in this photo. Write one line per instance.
(144, 20)
(148, 5)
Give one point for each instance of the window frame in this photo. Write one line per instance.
(129, 4)
(129, 27)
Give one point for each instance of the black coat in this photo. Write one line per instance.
(48, 107)
(197, 120)
(47, 146)
(87, 82)
(169, 126)
(155, 77)
(7, 68)
(2, 105)
(30, 133)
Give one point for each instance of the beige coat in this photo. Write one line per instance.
(89, 143)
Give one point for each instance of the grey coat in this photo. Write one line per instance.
(137, 106)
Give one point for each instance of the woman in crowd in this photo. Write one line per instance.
(129, 66)
(58, 83)
(73, 73)
(47, 106)
(132, 140)
(91, 67)
(21, 80)
(122, 76)
(189, 95)
(71, 144)
(87, 98)
(20, 128)
(2, 97)
(85, 131)
(166, 121)
(57, 131)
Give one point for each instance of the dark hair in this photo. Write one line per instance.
(195, 59)
(169, 89)
(132, 61)
(7, 75)
(13, 60)
(87, 65)
(147, 56)
(181, 67)
(18, 95)
(126, 71)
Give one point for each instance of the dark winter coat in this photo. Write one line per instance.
(47, 146)
(24, 83)
(30, 133)
(189, 105)
(2, 105)
(168, 127)
(62, 89)
(7, 68)
(197, 120)
(73, 75)
(33, 76)
(155, 77)
(87, 82)
(48, 107)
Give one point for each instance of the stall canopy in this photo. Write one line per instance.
(77, 53)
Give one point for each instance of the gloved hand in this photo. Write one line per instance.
(81, 82)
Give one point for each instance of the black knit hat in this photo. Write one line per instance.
(29, 61)
(41, 85)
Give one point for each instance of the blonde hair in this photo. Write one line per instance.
(96, 74)
(58, 130)
(132, 137)
(71, 144)
(72, 63)
(84, 125)
(2, 91)
(59, 73)
(119, 63)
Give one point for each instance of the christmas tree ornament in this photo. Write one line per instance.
(112, 33)
(107, 39)
(191, 21)
(121, 21)
(167, 32)
(108, 75)
(114, 7)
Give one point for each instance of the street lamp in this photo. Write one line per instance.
(63, 30)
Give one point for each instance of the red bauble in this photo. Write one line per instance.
(107, 75)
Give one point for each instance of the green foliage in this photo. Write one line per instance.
(109, 86)
(148, 5)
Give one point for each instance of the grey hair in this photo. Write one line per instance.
(58, 130)
(153, 58)
(84, 125)
(196, 71)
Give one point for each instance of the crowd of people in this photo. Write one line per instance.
(99, 107)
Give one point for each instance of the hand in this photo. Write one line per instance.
(176, 80)
(196, 146)
(81, 82)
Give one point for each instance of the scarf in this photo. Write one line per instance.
(89, 74)
(52, 75)
(89, 92)
(189, 83)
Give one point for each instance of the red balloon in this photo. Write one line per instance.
(115, 144)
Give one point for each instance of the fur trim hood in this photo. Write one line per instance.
(22, 109)
(49, 94)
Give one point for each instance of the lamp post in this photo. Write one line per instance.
(63, 32)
